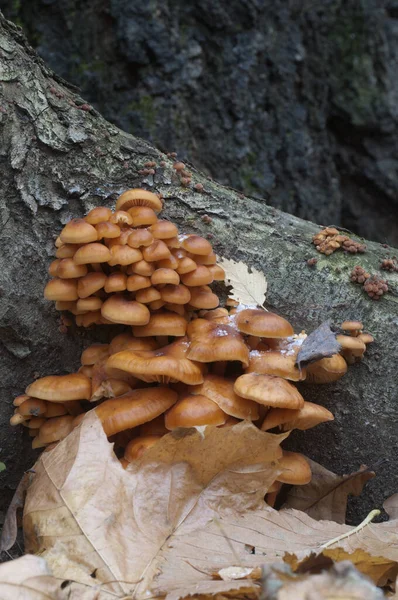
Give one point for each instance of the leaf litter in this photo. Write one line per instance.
(190, 507)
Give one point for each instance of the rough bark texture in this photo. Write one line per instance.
(58, 160)
(291, 100)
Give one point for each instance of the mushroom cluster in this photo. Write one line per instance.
(183, 362)
(330, 239)
(122, 266)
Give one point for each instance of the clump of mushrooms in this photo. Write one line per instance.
(183, 362)
(122, 266)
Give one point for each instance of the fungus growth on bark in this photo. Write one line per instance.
(182, 361)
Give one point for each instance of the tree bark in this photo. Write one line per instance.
(60, 158)
(291, 100)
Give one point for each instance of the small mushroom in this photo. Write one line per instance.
(137, 197)
(194, 411)
(61, 388)
(221, 391)
(296, 469)
(268, 390)
(260, 323)
(210, 342)
(304, 418)
(354, 328)
(326, 370)
(135, 408)
(352, 349)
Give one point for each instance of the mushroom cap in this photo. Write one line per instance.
(268, 390)
(134, 408)
(115, 282)
(210, 342)
(78, 231)
(68, 269)
(147, 295)
(156, 251)
(352, 326)
(98, 215)
(185, 265)
(124, 255)
(200, 276)
(142, 267)
(100, 387)
(221, 391)
(349, 342)
(327, 370)
(366, 338)
(93, 353)
(207, 259)
(55, 429)
(194, 411)
(167, 364)
(202, 298)
(138, 197)
(136, 447)
(90, 304)
(164, 276)
(260, 323)
(67, 250)
(271, 362)
(217, 272)
(303, 418)
(140, 237)
(119, 309)
(137, 282)
(175, 294)
(162, 324)
(92, 253)
(33, 407)
(126, 341)
(108, 231)
(121, 217)
(296, 469)
(61, 388)
(163, 230)
(90, 283)
(61, 289)
(196, 245)
(142, 216)
(168, 263)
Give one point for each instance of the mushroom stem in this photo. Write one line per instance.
(253, 341)
(73, 407)
(219, 367)
(96, 267)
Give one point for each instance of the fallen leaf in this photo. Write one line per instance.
(30, 578)
(325, 497)
(248, 288)
(321, 343)
(2, 467)
(10, 527)
(391, 506)
(84, 513)
(341, 581)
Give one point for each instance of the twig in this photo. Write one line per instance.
(374, 513)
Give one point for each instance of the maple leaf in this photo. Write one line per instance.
(325, 497)
(188, 508)
(248, 288)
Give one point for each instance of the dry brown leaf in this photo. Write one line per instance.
(84, 513)
(248, 288)
(10, 527)
(342, 581)
(325, 497)
(29, 578)
(190, 507)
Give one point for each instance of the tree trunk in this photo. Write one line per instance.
(60, 158)
(291, 100)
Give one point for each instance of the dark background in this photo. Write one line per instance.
(294, 101)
